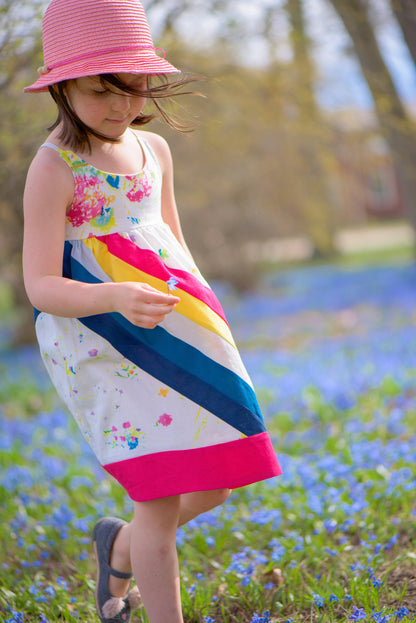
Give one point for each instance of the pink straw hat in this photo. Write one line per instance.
(90, 37)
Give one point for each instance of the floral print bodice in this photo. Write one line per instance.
(105, 203)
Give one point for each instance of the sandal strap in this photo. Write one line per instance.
(123, 575)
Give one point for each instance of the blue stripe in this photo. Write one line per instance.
(172, 375)
(178, 365)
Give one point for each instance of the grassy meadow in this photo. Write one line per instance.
(331, 351)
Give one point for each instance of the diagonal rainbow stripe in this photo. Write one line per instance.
(174, 362)
(153, 264)
(127, 262)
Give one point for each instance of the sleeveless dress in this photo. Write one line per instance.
(167, 410)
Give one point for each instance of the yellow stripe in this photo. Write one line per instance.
(189, 306)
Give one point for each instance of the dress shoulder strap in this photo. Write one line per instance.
(74, 161)
(149, 153)
(50, 145)
(68, 156)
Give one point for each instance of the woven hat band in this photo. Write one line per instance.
(97, 53)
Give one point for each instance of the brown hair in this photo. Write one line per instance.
(76, 134)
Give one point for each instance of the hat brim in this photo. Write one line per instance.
(147, 62)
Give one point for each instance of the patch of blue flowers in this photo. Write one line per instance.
(332, 353)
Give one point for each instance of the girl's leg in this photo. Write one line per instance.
(132, 541)
(120, 560)
(193, 504)
(154, 558)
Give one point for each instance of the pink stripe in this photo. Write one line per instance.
(149, 262)
(227, 465)
(96, 53)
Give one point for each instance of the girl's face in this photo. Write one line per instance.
(109, 112)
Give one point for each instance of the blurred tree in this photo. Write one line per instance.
(398, 127)
(19, 25)
(257, 165)
(21, 122)
(288, 109)
(311, 189)
(234, 178)
(405, 12)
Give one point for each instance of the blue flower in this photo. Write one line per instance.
(331, 552)
(330, 525)
(377, 583)
(209, 620)
(261, 619)
(333, 598)
(318, 600)
(380, 618)
(60, 581)
(392, 542)
(358, 614)
(50, 590)
(17, 617)
(180, 536)
(402, 613)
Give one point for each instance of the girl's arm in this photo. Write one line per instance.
(48, 194)
(169, 209)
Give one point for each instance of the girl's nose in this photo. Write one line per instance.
(120, 103)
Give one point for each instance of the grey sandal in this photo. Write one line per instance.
(110, 609)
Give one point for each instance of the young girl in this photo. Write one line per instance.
(132, 336)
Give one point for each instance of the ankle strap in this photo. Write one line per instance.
(123, 575)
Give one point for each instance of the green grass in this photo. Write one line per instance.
(284, 549)
(331, 540)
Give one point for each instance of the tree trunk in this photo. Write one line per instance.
(405, 12)
(397, 127)
(311, 187)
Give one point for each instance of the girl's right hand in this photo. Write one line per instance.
(143, 305)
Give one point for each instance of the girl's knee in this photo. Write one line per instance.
(206, 500)
(160, 513)
(221, 495)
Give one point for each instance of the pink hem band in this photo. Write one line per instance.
(228, 465)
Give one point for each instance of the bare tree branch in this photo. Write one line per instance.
(405, 12)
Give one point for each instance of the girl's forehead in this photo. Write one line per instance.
(130, 80)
